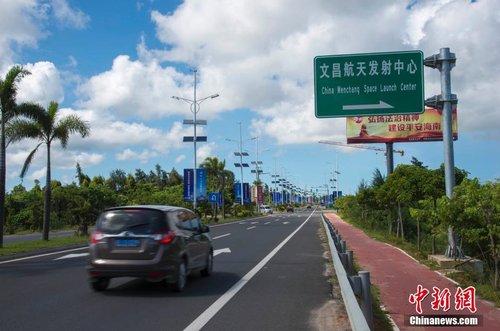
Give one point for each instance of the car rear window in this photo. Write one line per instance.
(138, 221)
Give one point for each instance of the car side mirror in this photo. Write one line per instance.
(205, 228)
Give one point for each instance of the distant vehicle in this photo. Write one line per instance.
(157, 243)
(266, 209)
(308, 206)
(289, 208)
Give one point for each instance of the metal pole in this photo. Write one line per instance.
(257, 172)
(389, 154)
(241, 163)
(449, 162)
(195, 173)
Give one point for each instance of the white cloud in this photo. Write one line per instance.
(259, 55)
(206, 150)
(133, 89)
(72, 61)
(139, 5)
(180, 158)
(19, 27)
(38, 174)
(128, 154)
(108, 133)
(69, 17)
(42, 86)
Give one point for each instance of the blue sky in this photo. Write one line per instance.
(117, 64)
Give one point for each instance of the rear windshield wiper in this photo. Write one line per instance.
(136, 224)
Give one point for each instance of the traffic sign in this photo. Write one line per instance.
(213, 197)
(369, 84)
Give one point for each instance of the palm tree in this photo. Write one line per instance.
(8, 106)
(44, 127)
(216, 176)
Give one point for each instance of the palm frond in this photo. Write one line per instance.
(30, 110)
(21, 128)
(8, 90)
(71, 124)
(27, 163)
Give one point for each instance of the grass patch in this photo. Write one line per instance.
(34, 245)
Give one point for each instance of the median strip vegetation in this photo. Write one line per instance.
(35, 245)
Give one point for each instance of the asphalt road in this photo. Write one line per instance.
(274, 278)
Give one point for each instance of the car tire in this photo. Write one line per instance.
(207, 272)
(100, 285)
(180, 284)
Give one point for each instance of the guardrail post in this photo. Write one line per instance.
(343, 259)
(366, 297)
(342, 247)
(350, 262)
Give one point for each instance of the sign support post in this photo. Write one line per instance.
(444, 62)
(389, 157)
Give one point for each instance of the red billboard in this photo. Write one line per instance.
(398, 128)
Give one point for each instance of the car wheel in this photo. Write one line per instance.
(100, 284)
(180, 285)
(207, 272)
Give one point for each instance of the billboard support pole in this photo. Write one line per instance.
(444, 62)
(389, 157)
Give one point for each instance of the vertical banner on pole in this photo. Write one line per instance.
(260, 197)
(188, 185)
(237, 192)
(201, 183)
(246, 193)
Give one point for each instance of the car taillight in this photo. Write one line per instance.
(164, 237)
(96, 236)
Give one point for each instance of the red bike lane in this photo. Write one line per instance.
(397, 275)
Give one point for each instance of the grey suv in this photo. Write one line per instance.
(158, 243)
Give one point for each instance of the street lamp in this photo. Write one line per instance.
(241, 154)
(195, 108)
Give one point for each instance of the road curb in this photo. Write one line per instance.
(40, 251)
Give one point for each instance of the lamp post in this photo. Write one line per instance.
(195, 108)
(241, 154)
(257, 168)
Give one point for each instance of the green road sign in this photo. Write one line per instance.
(369, 84)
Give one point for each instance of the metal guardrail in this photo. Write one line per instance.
(360, 315)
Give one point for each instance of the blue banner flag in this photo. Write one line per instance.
(201, 185)
(188, 185)
(246, 193)
(237, 192)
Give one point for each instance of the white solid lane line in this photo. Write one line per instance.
(252, 227)
(224, 235)
(35, 256)
(207, 315)
(70, 256)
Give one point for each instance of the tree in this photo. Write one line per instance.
(417, 163)
(80, 175)
(46, 128)
(378, 179)
(9, 109)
